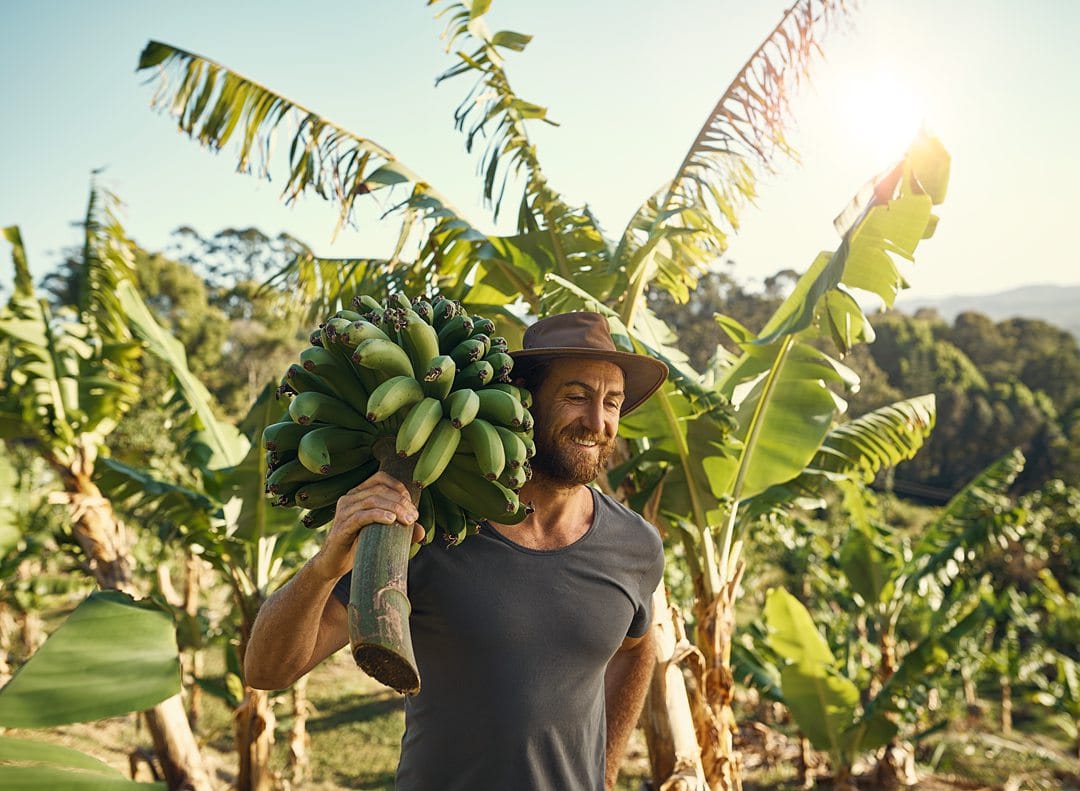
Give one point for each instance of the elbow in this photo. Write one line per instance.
(261, 675)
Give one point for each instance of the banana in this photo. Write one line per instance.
(315, 339)
(314, 407)
(326, 447)
(423, 309)
(462, 406)
(386, 358)
(326, 491)
(300, 380)
(331, 328)
(520, 393)
(439, 377)
(500, 408)
(288, 477)
(499, 344)
(484, 339)
(420, 342)
(454, 332)
(391, 396)
(426, 509)
(358, 331)
(417, 426)
(468, 351)
(443, 310)
(520, 515)
(283, 436)
(530, 445)
(474, 375)
(503, 363)
(319, 517)
(450, 517)
(348, 315)
(275, 458)
(367, 302)
(338, 373)
(398, 300)
(513, 447)
(487, 447)
(437, 453)
(513, 478)
(476, 493)
(483, 325)
(526, 423)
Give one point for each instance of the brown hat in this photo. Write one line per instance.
(586, 335)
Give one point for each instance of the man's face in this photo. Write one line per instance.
(576, 412)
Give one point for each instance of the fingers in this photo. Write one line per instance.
(379, 499)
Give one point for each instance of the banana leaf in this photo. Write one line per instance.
(31, 765)
(226, 444)
(111, 656)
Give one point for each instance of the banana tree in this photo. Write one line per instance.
(69, 376)
(226, 517)
(134, 666)
(678, 231)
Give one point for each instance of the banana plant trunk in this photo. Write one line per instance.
(104, 540)
(722, 761)
(379, 605)
(298, 736)
(674, 754)
(253, 733)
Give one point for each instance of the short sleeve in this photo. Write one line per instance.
(341, 589)
(650, 578)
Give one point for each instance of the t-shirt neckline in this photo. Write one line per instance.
(558, 550)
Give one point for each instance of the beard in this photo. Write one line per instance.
(561, 462)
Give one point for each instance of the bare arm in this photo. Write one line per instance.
(625, 683)
(302, 623)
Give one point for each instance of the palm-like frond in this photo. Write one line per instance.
(970, 519)
(212, 104)
(859, 449)
(492, 111)
(107, 259)
(684, 226)
(68, 382)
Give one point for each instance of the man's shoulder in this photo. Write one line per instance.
(628, 519)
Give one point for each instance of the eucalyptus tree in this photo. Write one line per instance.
(70, 375)
(695, 458)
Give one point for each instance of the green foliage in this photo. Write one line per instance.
(111, 656)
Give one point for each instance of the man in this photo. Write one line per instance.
(532, 640)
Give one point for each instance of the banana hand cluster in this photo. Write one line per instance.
(426, 374)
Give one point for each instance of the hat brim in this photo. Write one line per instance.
(642, 376)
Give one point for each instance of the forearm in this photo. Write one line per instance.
(300, 625)
(626, 682)
(291, 633)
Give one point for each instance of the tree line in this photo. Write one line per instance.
(999, 385)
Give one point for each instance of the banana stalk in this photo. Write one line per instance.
(379, 606)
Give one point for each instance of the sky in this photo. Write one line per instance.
(630, 83)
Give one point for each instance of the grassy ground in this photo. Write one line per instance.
(355, 727)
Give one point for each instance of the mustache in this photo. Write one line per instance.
(585, 436)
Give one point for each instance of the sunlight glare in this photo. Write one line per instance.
(882, 114)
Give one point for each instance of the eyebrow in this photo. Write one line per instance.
(591, 389)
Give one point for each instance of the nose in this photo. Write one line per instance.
(594, 417)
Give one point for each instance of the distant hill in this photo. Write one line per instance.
(1058, 305)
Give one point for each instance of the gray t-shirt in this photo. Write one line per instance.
(512, 644)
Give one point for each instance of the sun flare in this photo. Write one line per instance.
(882, 113)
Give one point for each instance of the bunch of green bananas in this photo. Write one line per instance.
(425, 376)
